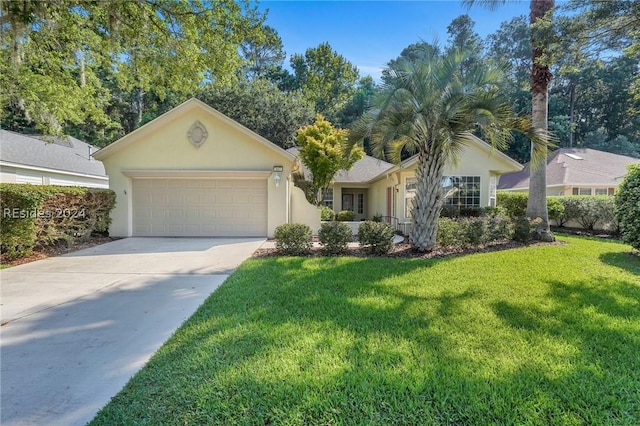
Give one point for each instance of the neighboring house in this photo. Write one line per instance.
(195, 172)
(49, 160)
(575, 171)
(374, 187)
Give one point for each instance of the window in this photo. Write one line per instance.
(605, 191)
(409, 192)
(360, 205)
(327, 200)
(581, 191)
(462, 191)
(493, 186)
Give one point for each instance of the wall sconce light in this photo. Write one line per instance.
(276, 178)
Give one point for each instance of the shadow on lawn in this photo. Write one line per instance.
(629, 261)
(322, 345)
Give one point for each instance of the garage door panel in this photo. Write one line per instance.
(199, 207)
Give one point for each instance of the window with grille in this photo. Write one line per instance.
(462, 191)
(328, 198)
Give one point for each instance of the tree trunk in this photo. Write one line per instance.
(540, 79)
(427, 203)
(572, 115)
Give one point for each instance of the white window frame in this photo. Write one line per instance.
(327, 199)
(409, 193)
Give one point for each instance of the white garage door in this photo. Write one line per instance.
(199, 207)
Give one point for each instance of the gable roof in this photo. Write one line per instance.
(508, 162)
(49, 152)
(574, 167)
(362, 171)
(183, 108)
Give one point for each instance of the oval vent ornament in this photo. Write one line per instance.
(198, 134)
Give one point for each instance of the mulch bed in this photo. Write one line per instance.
(406, 250)
(56, 250)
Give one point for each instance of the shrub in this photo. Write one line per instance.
(449, 211)
(498, 228)
(588, 211)
(375, 237)
(571, 211)
(524, 229)
(555, 208)
(346, 216)
(293, 239)
(627, 207)
(46, 214)
(334, 237)
(455, 211)
(448, 234)
(327, 214)
(514, 203)
(472, 231)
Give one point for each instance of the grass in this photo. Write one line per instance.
(535, 336)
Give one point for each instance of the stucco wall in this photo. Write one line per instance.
(473, 161)
(302, 211)
(165, 146)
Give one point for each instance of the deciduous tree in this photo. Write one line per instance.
(325, 151)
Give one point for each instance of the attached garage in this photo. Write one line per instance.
(194, 172)
(199, 207)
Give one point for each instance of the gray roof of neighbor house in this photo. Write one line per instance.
(575, 166)
(362, 171)
(50, 152)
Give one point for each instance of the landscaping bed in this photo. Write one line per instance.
(56, 250)
(406, 250)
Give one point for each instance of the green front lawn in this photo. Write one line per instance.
(539, 335)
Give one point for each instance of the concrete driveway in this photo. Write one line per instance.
(76, 327)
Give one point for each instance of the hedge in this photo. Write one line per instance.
(43, 215)
(472, 231)
(589, 211)
(515, 204)
(627, 207)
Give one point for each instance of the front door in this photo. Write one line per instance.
(347, 202)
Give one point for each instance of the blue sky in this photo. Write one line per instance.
(370, 33)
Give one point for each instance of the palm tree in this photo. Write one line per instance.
(540, 79)
(430, 108)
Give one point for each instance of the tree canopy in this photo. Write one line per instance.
(324, 150)
(260, 106)
(64, 61)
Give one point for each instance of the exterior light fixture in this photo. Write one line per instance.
(276, 178)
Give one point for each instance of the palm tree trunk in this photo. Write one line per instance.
(427, 203)
(540, 79)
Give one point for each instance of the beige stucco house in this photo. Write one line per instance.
(377, 188)
(195, 172)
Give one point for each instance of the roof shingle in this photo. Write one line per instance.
(575, 166)
(59, 153)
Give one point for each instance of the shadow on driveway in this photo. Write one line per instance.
(77, 327)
